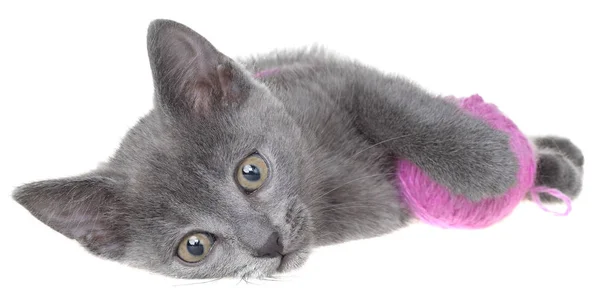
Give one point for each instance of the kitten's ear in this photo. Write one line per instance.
(82, 208)
(191, 77)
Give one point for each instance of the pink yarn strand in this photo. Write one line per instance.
(266, 73)
(535, 195)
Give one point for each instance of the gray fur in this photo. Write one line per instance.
(331, 130)
(559, 165)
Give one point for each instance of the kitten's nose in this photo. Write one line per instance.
(272, 248)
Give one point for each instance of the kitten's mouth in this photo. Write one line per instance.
(292, 260)
(284, 263)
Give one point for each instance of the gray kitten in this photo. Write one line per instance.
(236, 175)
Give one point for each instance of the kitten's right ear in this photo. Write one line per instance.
(191, 77)
(83, 208)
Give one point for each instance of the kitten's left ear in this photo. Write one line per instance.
(84, 208)
(191, 77)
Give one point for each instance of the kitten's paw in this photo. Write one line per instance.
(492, 174)
(562, 145)
(560, 166)
(477, 170)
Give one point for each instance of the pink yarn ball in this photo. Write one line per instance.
(434, 204)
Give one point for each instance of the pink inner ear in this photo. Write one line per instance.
(201, 100)
(191, 75)
(226, 81)
(83, 228)
(73, 206)
(76, 219)
(90, 226)
(213, 94)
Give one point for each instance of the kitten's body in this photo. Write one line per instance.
(357, 195)
(331, 131)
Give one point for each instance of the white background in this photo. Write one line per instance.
(75, 77)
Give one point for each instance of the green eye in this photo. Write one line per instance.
(194, 248)
(252, 173)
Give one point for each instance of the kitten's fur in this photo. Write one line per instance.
(331, 130)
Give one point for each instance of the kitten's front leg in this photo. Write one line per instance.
(457, 150)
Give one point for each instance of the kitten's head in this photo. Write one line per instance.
(212, 183)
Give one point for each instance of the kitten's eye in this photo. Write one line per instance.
(252, 173)
(194, 248)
